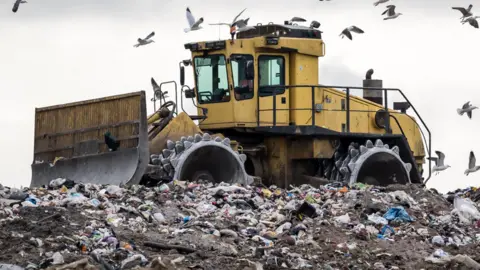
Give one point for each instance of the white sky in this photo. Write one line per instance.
(57, 51)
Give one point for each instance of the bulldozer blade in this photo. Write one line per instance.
(69, 141)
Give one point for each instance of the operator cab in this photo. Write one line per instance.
(237, 82)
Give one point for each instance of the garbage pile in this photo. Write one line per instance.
(182, 225)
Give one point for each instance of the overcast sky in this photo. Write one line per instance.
(57, 51)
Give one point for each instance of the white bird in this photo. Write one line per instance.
(348, 31)
(466, 12)
(472, 21)
(193, 24)
(229, 24)
(471, 164)
(17, 4)
(439, 162)
(144, 41)
(391, 13)
(467, 108)
(380, 2)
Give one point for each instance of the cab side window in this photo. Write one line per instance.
(242, 84)
(271, 72)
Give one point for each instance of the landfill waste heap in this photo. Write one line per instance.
(184, 225)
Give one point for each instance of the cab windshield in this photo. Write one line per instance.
(211, 79)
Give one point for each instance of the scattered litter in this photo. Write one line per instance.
(183, 225)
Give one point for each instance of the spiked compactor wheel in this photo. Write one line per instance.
(202, 157)
(375, 164)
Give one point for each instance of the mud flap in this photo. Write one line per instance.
(90, 161)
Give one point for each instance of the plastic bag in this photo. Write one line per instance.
(466, 210)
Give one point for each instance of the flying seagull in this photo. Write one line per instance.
(471, 164)
(380, 2)
(466, 12)
(17, 4)
(348, 31)
(193, 24)
(472, 21)
(467, 108)
(439, 162)
(144, 41)
(232, 24)
(391, 13)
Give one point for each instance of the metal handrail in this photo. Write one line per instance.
(176, 94)
(347, 109)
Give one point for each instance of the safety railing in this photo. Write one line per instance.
(161, 96)
(313, 109)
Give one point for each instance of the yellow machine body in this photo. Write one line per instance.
(262, 91)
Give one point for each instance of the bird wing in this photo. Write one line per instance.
(391, 10)
(434, 159)
(190, 18)
(473, 23)
(150, 35)
(236, 18)
(245, 28)
(441, 158)
(471, 160)
(355, 29)
(16, 5)
(347, 33)
(466, 105)
(227, 24)
(197, 23)
(461, 9)
(298, 19)
(389, 7)
(154, 84)
(240, 24)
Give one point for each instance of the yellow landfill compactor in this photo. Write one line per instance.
(262, 115)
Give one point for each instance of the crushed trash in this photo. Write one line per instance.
(182, 225)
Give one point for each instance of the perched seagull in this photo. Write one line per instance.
(467, 108)
(391, 13)
(439, 162)
(472, 21)
(231, 25)
(348, 31)
(144, 41)
(465, 12)
(17, 4)
(194, 25)
(380, 2)
(471, 164)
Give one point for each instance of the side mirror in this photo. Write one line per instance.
(249, 70)
(182, 75)
(190, 93)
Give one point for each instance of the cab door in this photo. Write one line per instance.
(272, 76)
